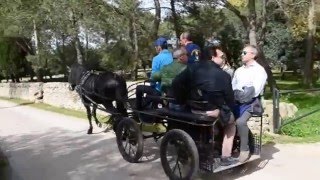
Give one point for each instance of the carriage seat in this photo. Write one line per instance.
(187, 116)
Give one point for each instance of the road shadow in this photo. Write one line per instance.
(17, 105)
(267, 152)
(61, 154)
(151, 151)
(56, 153)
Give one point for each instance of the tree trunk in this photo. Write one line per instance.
(76, 39)
(87, 46)
(308, 67)
(175, 19)
(252, 22)
(253, 39)
(78, 50)
(135, 46)
(157, 19)
(36, 40)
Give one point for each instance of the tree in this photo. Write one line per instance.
(308, 67)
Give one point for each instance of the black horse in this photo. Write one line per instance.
(101, 89)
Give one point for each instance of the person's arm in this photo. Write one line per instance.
(234, 81)
(155, 66)
(180, 86)
(156, 76)
(228, 92)
(259, 82)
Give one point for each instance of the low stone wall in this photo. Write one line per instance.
(287, 110)
(26, 91)
(59, 95)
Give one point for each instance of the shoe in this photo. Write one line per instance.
(244, 156)
(227, 161)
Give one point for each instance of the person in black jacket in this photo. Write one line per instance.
(206, 81)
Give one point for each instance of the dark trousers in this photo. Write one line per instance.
(143, 102)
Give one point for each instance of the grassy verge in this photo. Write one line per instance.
(309, 126)
(284, 139)
(68, 112)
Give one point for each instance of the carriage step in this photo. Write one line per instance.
(215, 167)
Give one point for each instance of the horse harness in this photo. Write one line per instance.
(83, 79)
(83, 93)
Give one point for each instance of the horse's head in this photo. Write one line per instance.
(75, 73)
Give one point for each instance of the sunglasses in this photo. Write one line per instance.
(245, 53)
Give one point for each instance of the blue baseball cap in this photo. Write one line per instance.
(160, 41)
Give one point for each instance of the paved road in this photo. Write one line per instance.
(43, 145)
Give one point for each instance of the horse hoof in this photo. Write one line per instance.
(89, 131)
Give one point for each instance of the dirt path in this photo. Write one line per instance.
(44, 145)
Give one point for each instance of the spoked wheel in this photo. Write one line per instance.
(129, 140)
(179, 155)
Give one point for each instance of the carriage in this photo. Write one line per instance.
(190, 142)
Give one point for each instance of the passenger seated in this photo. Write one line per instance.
(163, 58)
(170, 71)
(206, 81)
(248, 83)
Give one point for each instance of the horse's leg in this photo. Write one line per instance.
(114, 118)
(87, 106)
(94, 114)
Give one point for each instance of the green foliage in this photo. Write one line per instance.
(12, 60)
(308, 126)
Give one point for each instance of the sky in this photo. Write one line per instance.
(150, 4)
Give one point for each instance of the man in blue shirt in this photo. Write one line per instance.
(163, 58)
(192, 49)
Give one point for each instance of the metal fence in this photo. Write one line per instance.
(277, 120)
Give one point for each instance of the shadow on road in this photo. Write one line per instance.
(248, 168)
(62, 154)
(57, 153)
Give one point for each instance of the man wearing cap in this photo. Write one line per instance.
(163, 58)
(192, 49)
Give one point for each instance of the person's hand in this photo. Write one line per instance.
(215, 113)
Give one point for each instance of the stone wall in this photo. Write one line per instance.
(59, 95)
(26, 91)
(287, 110)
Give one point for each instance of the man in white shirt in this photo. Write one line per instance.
(248, 82)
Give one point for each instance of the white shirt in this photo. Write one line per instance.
(251, 75)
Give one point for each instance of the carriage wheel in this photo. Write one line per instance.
(179, 155)
(129, 140)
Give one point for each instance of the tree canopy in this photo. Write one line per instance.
(41, 37)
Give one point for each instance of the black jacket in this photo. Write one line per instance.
(204, 81)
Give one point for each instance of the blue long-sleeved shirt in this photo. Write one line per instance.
(163, 58)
